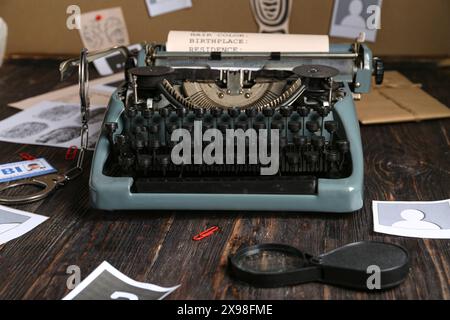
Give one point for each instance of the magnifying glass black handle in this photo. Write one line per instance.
(365, 265)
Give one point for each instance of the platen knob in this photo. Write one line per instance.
(378, 70)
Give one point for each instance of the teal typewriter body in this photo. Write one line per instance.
(307, 97)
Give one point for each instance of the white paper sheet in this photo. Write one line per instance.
(192, 41)
(51, 123)
(15, 223)
(158, 7)
(71, 94)
(108, 283)
(417, 219)
(3, 37)
(103, 29)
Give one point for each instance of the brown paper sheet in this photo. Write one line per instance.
(398, 100)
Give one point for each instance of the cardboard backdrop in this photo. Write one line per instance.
(409, 27)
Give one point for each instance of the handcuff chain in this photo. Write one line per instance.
(83, 81)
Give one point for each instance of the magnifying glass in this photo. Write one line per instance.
(362, 265)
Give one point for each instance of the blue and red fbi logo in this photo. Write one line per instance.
(25, 169)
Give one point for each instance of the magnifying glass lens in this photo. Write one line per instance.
(270, 261)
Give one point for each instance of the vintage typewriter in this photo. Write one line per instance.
(307, 97)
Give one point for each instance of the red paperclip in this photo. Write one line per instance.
(26, 156)
(205, 233)
(71, 153)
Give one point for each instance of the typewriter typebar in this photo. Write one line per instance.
(306, 98)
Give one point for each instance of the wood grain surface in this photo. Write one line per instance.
(407, 161)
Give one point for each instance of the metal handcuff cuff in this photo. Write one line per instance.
(48, 183)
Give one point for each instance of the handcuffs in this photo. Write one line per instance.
(49, 183)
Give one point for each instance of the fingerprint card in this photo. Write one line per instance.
(104, 29)
(51, 123)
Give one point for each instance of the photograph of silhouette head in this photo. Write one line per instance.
(413, 219)
(15, 223)
(10, 220)
(352, 17)
(35, 166)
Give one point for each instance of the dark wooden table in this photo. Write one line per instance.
(407, 161)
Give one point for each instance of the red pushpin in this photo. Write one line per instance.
(206, 233)
(98, 17)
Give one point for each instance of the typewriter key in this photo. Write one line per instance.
(121, 139)
(276, 124)
(189, 126)
(283, 142)
(332, 156)
(234, 112)
(145, 162)
(147, 113)
(164, 112)
(171, 127)
(199, 112)
(131, 112)
(138, 129)
(207, 124)
(164, 162)
(286, 111)
(242, 125)
(268, 112)
(343, 145)
(126, 161)
(318, 142)
(293, 158)
(182, 112)
(139, 143)
(251, 112)
(323, 111)
(312, 158)
(303, 111)
(294, 126)
(259, 125)
(300, 140)
(216, 112)
(154, 144)
(154, 128)
(331, 126)
(223, 126)
(312, 126)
